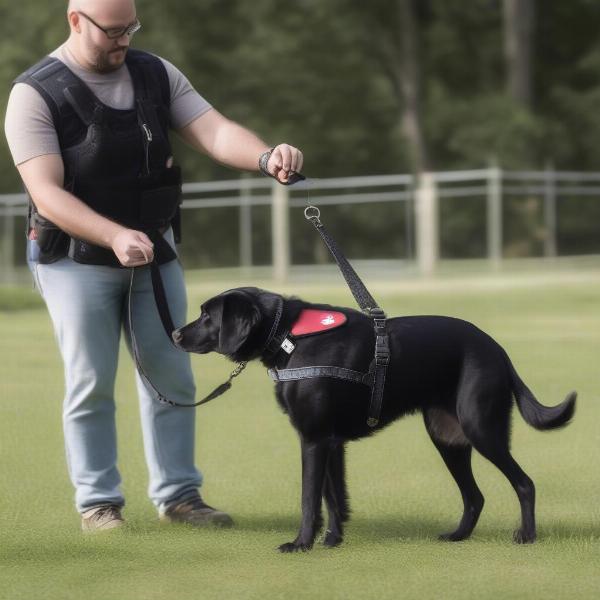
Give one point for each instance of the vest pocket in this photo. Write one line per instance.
(52, 241)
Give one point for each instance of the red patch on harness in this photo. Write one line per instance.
(317, 321)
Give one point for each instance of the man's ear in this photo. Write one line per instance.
(239, 316)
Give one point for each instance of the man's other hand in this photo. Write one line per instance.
(133, 248)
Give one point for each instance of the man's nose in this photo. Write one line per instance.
(124, 40)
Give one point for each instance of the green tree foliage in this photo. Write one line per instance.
(327, 76)
(319, 74)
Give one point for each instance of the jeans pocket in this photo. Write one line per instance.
(33, 254)
(36, 279)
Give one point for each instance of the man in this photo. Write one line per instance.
(88, 131)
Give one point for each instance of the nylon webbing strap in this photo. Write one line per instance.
(161, 300)
(312, 372)
(382, 359)
(357, 287)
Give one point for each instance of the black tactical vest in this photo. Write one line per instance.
(115, 160)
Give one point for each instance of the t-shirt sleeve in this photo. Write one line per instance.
(186, 103)
(28, 125)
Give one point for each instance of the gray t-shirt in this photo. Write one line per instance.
(29, 127)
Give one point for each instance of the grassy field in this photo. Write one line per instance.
(401, 494)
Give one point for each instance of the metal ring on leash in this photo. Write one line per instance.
(312, 213)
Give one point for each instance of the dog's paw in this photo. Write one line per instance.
(294, 547)
(455, 536)
(522, 537)
(331, 539)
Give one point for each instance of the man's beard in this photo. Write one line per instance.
(102, 63)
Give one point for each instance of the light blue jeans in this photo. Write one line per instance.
(88, 307)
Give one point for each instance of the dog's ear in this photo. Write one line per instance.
(239, 315)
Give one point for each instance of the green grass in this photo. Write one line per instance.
(401, 494)
(13, 299)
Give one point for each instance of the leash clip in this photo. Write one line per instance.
(241, 366)
(312, 213)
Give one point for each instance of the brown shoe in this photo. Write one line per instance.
(98, 518)
(194, 511)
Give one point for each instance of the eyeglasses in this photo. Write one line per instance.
(113, 33)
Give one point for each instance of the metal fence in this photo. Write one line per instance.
(420, 201)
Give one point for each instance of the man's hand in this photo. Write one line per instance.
(284, 161)
(133, 248)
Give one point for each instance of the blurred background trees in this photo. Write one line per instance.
(385, 86)
(376, 87)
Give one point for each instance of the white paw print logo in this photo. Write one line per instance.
(328, 320)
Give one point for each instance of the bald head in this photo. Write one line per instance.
(92, 22)
(93, 6)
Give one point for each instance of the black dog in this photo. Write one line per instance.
(455, 374)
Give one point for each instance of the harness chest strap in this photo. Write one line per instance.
(321, 371)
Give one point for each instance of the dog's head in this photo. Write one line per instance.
(227, 322)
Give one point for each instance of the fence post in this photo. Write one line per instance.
(245, 225)
(550, 246)
(427, 229)
(280, 231)
(409, 210)
(494, 216)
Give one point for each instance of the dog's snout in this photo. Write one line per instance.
(177, 336)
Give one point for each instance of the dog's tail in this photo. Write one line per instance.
(535, 414)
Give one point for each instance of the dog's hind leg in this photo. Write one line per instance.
(314, 463)
(456, 453)
(499, 455)
(336, 495)
(483, 408)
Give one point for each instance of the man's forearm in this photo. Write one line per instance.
(238, 147)
(76, 218)
(224, 141)
(235, 146)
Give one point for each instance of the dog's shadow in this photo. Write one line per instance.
(411, 530)
(368, 529)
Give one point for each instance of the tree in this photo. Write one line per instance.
(519, 26)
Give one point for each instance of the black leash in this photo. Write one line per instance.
(167, 321)
(357, 287)
(368, 306)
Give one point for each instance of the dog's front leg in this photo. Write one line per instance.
(336, 496)
(314, 462)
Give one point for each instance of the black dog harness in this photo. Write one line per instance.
(375, 377)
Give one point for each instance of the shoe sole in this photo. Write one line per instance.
(106, 527)
(223, 522)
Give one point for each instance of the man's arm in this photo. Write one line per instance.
(233, 145)
(43, 177)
